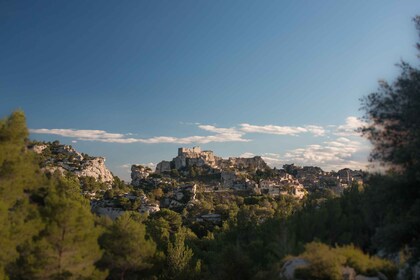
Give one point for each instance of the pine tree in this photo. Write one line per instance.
(127, 249)
(19, 176)
(67, 248)
(179, 259)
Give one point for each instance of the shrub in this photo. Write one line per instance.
(365, 264)
(326, 262)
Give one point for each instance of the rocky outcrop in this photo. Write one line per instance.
(181, 197)
(348, 273)
(62, 158)
(285, 185)
(95, 168)
(163, 166)
(138, 174)
(188, 157)
(147, 206)
(39, 148)
(238, 163)
(290, 266)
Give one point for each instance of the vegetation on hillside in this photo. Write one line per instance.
(49, 232)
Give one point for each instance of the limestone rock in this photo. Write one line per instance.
(39, 148)
(290, 266)
(183, 196)
(163, 166)
(95, 168)
(251, 164)
(64, 158)
(348, 273)
(147, 206)
(53, 169)
(138, 174)
(188, 157)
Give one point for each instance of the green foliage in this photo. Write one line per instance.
(120, 186)
(128, 251)
(394, 119)
(48, 231)
(162, 225)
(393, 128)
(174, 173)
(365, 264)
(19, 175)
(67, 247)
(326, 262)
(90, 184)
(179, 258)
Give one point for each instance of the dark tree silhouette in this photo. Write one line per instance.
(393, 116)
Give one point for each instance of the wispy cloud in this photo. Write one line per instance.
(220, 135)
(344, 147)
(282, 130)
(81, 134)
(247, 155)
(271, 159)
(338, 153)
(350, 126)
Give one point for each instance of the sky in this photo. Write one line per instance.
(134, 80)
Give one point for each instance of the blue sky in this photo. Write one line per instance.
(134, 80)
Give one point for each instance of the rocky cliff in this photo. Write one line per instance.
(138, 174)
(251, 164)
(188, 157)
(62, 158)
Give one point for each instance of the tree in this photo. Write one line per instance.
(179, 258)
(127, 249)
(19, 177)
(162, 225)
(67, 248)
(393, 118)
(393, 127)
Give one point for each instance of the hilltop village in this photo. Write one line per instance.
(195, 181)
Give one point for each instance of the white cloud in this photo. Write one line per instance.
(335, 154)
(220, 135)
(316, 130)
(247, 155)
(271, 129)
(334, 151)
(282, 130)
(273, 155)
(81, 134)
(349, 128)
(219, 130)
(272, 159)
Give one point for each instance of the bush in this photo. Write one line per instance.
(326, 262)
(365, 264)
